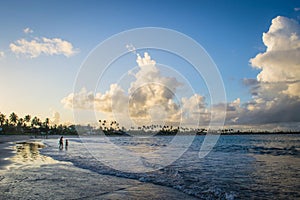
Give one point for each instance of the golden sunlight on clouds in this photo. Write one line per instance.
(151, 98)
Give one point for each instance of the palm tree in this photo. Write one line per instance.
(13, 118)
(7, 122)
(20, 122)
(46, 123)
(2, 119)
(35, 122)
(27, 119)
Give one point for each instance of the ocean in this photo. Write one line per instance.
(265, 166)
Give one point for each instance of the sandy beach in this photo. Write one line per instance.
(26, 174)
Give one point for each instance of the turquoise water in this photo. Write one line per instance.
(238, 167)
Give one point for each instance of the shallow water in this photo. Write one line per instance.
(238, 167)
(35, 176)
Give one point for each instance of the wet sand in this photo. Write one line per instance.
(6, 150)
(31, 175)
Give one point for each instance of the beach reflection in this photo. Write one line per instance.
(28, 153)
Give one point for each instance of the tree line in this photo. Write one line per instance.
(13, 124)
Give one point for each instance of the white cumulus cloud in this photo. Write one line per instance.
(27, 30)
(39, 46)
(276, 91)
(280, 62)
(151, 98)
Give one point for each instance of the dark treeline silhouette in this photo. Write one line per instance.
(112, 128)
(13, 124)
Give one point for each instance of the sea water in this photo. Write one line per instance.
(238, 167)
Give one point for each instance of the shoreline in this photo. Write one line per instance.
(31, 175)
(6, 145)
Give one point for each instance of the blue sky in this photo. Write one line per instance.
(230, 31)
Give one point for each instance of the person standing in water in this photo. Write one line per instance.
(67, 144)
(61, 143)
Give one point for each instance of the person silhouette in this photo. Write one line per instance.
(61, 143)
(67, 144)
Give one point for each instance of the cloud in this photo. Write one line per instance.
(280, 62)
(131, 48)
(276, 90)
(150, 89)
(55, 118)
(86, 100)
(2, 54)
(80, 100)
(277, 110)
(296, 9)
(39, 46)
(195, 109)
(27, 30)
(152, 96)
(250, 81)
(150, 99)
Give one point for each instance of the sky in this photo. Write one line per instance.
(254, 44)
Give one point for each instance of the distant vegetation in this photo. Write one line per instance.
(112, 128)
(13, 124)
